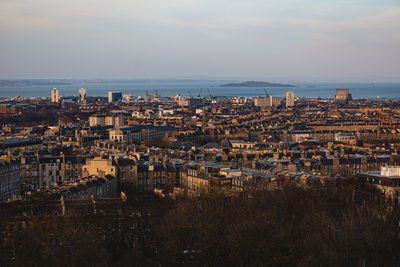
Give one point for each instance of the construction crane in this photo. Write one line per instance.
(198, 95)
(209, 92)
(190, 93)
(266, 94)
(178, 96)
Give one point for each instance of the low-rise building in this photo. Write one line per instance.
(100, 167)
(43, 171)
(86, 188)
(126, 134)
(387, 179)
(347, 138)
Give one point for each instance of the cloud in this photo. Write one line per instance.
(196, 37)
(386, 20)
(207, 14)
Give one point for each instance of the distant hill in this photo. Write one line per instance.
(255, 84)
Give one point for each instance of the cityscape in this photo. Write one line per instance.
(83, 149)
(254, 134)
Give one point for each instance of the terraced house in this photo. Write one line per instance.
(45, 170)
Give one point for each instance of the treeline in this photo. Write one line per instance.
(337, 224)
(44, 116)
(340, 224)
(31, 118)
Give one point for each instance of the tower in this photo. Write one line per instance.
(289, 99)
(54, 95)
(82, 95)
(148, 96)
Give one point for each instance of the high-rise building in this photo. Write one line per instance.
(289, 99)
(82, 95)
(97, 120)
(261, 101)
(342, 95)
(269, 101)
(55, 98)
(274, 101)
(116, 120)
(114, 97)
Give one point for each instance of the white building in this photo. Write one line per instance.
(242, 144)
(348, 138)
(390, 171)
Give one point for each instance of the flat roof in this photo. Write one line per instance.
(378, 175)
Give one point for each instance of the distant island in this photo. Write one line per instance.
(256, 84)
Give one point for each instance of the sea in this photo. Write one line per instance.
(202, 87)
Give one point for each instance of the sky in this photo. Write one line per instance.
(321, 40)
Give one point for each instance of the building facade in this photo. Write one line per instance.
(116, 120)
(10, 175)
(43, 171)
(126, 134)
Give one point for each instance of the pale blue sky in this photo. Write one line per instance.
(299, 39)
